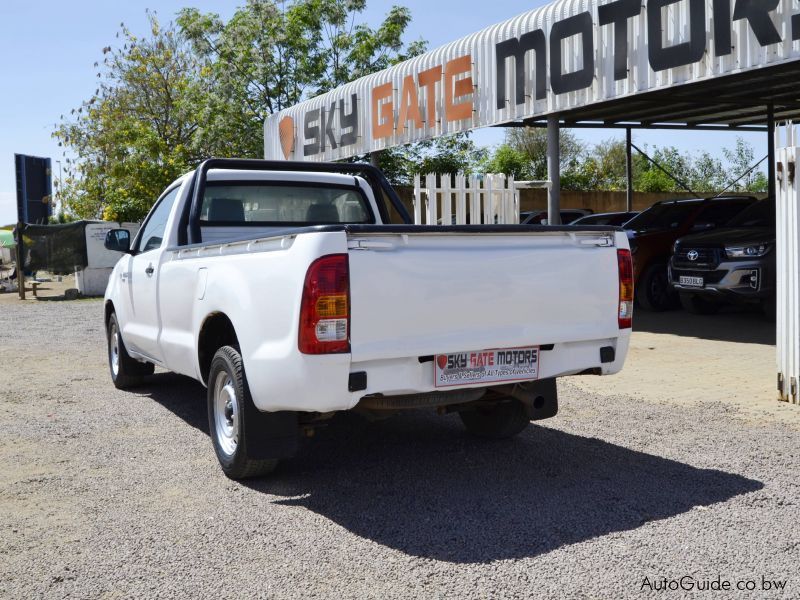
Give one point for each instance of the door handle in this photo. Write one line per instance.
(149, 270)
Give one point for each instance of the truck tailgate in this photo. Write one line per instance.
(419, 294)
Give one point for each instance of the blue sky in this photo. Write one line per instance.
(48, 48)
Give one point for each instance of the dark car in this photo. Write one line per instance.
(539, 217)
(653, 232)
(732, 264)
(616, 219)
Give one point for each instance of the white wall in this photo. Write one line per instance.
(92, 280)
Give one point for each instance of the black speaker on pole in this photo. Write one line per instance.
(34, 189)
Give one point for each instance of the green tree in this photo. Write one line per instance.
(742, 159)
(601, 168)
(455, 153)
(708, 174)
(137, 132)
(203, 88)
(647, 177)
(511, 161)
(532, 143)
(269, 57)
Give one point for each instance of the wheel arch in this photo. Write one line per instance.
(108, 310)
(216, 331)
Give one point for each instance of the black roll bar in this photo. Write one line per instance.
(373, 175)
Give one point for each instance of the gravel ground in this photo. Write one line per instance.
(113, 494)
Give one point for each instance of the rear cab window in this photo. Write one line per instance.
(265, 203)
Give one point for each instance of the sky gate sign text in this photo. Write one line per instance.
(555, 62)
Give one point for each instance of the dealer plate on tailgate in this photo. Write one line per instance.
(692, 281)
(486, 366)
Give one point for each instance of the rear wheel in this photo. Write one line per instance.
(500, 420)
(653, 291)
(698, 305)
(228, 399)
(126, 372)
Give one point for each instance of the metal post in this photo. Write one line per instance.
(628, 171)
(20, 262)
(60, 204)
(553, 173)
(771, 151)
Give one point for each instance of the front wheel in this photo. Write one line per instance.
(228, 398)
(126, 372)
(498, 421)
(653, 291)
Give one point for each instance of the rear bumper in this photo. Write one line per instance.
(321, 383)
(731, 281)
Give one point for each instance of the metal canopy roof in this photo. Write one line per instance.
(739, 102)
(602, 63)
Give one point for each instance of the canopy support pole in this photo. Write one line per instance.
(771, 151)
(553, 171)
(628, 171)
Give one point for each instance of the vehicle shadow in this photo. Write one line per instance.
(182, 396)
(419, 484)
(732, 324)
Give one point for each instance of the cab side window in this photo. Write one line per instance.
(155, 226)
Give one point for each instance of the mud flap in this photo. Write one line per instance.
(270, 434)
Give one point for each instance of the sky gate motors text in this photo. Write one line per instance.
(503, 358)
(660, 55)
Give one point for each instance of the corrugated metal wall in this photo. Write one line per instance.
(788, 265)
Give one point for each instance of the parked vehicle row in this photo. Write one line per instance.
(578, 216)
(616, 219)
(653, 233)
(539, 217)
(699, 253)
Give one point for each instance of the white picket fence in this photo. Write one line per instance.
(788, 262)
(460, 199)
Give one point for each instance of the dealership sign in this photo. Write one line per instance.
(559, 57)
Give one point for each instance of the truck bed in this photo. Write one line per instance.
(415, 292)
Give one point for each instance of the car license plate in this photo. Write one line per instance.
(486, 366)
(692, 281)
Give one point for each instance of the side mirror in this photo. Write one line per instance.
(118, 240)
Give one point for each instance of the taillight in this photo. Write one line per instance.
(625, 265)
(325, 308)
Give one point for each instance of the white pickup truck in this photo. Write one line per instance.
(287, 291)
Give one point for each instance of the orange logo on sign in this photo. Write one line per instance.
(286, 133)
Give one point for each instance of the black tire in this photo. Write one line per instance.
(228, 426)
(126, 372)
(698, 305)
(770, 308)
(653, 291)
(497, 421)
